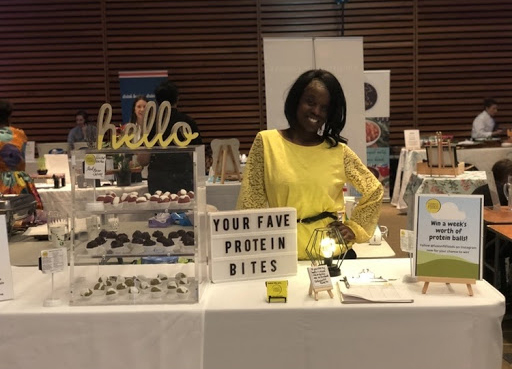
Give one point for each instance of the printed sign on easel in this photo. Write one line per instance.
(6, 290)
(320, 280)
(448, 238)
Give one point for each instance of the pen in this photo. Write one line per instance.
(346, 282)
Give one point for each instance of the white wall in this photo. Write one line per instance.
(286, 58)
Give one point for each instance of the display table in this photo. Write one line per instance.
(113, 337)
(465, 183)
(482, 158)
(233, 327)
(367, 251)
(443, 329)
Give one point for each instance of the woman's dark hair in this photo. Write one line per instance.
(84, 114)
(337, 112)
(133, 117)
(5, 112)
(501, 170)
(166, 91)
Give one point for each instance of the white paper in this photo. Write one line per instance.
(412, 139)
(407, 241)
(53, 261)
(6, 289)
(372, 293)
(30, 149)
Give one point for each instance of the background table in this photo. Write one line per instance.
(482, 158)
(233, 326)
(223, 196)
(464, 183)
(503, 232)
(443, 329)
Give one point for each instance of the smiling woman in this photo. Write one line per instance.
(302, 168)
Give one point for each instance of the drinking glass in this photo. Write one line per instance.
(58, 228)
(507, 190)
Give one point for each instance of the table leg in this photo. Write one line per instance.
(496, 260)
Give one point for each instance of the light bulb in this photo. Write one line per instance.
(327, 247)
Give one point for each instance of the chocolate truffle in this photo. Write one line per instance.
(157, 234)
(92, 244)
(149, 243)
(115, 244)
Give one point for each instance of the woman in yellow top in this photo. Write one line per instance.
(302, 168)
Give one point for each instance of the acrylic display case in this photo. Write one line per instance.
(130, 246)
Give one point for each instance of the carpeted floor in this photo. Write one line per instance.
(394, 220)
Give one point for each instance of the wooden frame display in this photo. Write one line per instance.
(441, 159)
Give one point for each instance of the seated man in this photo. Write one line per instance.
(484, 125)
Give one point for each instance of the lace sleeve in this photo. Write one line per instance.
(366, 214)
(252, 192)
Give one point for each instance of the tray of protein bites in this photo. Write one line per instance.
(158, 200)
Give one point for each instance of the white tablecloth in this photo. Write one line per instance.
(443, 329)
(101, 337)
(483, 159)
(233, 327)
(464, 184)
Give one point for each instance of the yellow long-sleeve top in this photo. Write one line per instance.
(310, 179)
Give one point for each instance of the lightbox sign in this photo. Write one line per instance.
(252, 244)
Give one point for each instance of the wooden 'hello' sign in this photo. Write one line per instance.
(133, 130)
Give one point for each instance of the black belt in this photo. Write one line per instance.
(315, 218)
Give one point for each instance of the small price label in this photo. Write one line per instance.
(53, 261)
(277, 291)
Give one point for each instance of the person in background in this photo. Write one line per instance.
(138, 109)
(501, 170)
(137, 117)
(484, 125)
(13, 179)
(302, 168)
(171, 172)
(83, 131)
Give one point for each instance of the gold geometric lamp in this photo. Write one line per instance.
(326, 246)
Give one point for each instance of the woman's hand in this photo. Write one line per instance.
(346, 232)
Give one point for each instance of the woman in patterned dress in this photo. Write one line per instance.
(13, 179)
